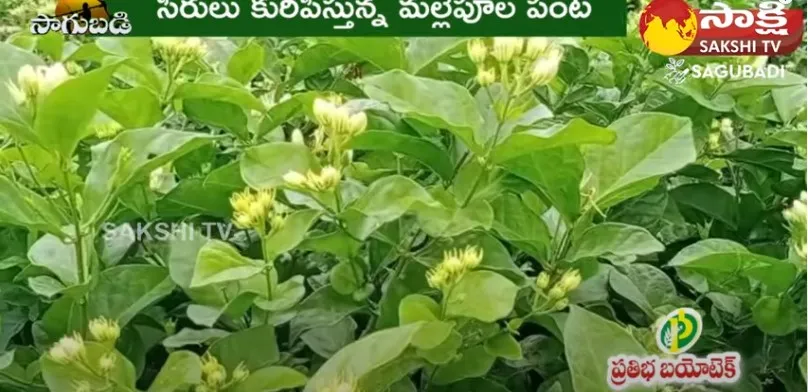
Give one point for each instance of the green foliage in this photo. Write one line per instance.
(388, 215)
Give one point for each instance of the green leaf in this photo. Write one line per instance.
(136, 107)
(246, 62)
(57, 256)
(317, 58)
(435, 103)
(223, 92)
(291, 234)
(708, 199)
(575, 132)
(45, 286)
(124, 291)
(265, 165)
(556, 173)
(326, 341)
(431, 155)
(110, 175)
(422, 52)
(473, 362)
(271, 379)
(225, 115)
(648, 146)
(322, 308)
(803, 363)
(417, 307)
(716, 260)
(284, 111)
(776, 316)
(255, 347)
(516, 223)
(22, 207)
(768, 158)
(182, 369)
(64, 377)
(505, 346)
(698, 90)
(284, 295)
(614, 239)
(483, 295)
(589, 341)
(138, 48)
(209, 195)
(219, 262)
(64, 114)
(208, 315)
(444, 352)
(188, 336)
(790, 101)
(362, 358)
(758, 85)
(625, 288)
(383, 52)
(384, 201)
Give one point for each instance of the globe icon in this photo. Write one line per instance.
(668, 27)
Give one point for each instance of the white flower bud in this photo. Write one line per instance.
(28, 81)
(358, 123)
(294, 178)
(505, 48)
(107, 362)
(556, 293)
(477, 51)
(486, 77)
(297, 137)
(543, 280)
(330, 177)
(52, 77)
(536, 46)
(323, 111)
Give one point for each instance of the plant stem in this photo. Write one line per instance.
(78, 241)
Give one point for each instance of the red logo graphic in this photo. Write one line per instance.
(672, 27)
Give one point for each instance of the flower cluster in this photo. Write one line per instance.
(554, 297)
(256, 210)
(214, 375)
(71, 348)
(105, 330)
(68, 349)
(796, 217)
(454, 265)
(337, 125)
(180, 50)
(36, 82)
(520, 64)
(328, 178)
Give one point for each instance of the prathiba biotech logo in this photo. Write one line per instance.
(676, 333)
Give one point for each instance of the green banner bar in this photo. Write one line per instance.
(368, 18)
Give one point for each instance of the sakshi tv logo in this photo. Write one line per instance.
(675, 334)
(673, 27)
